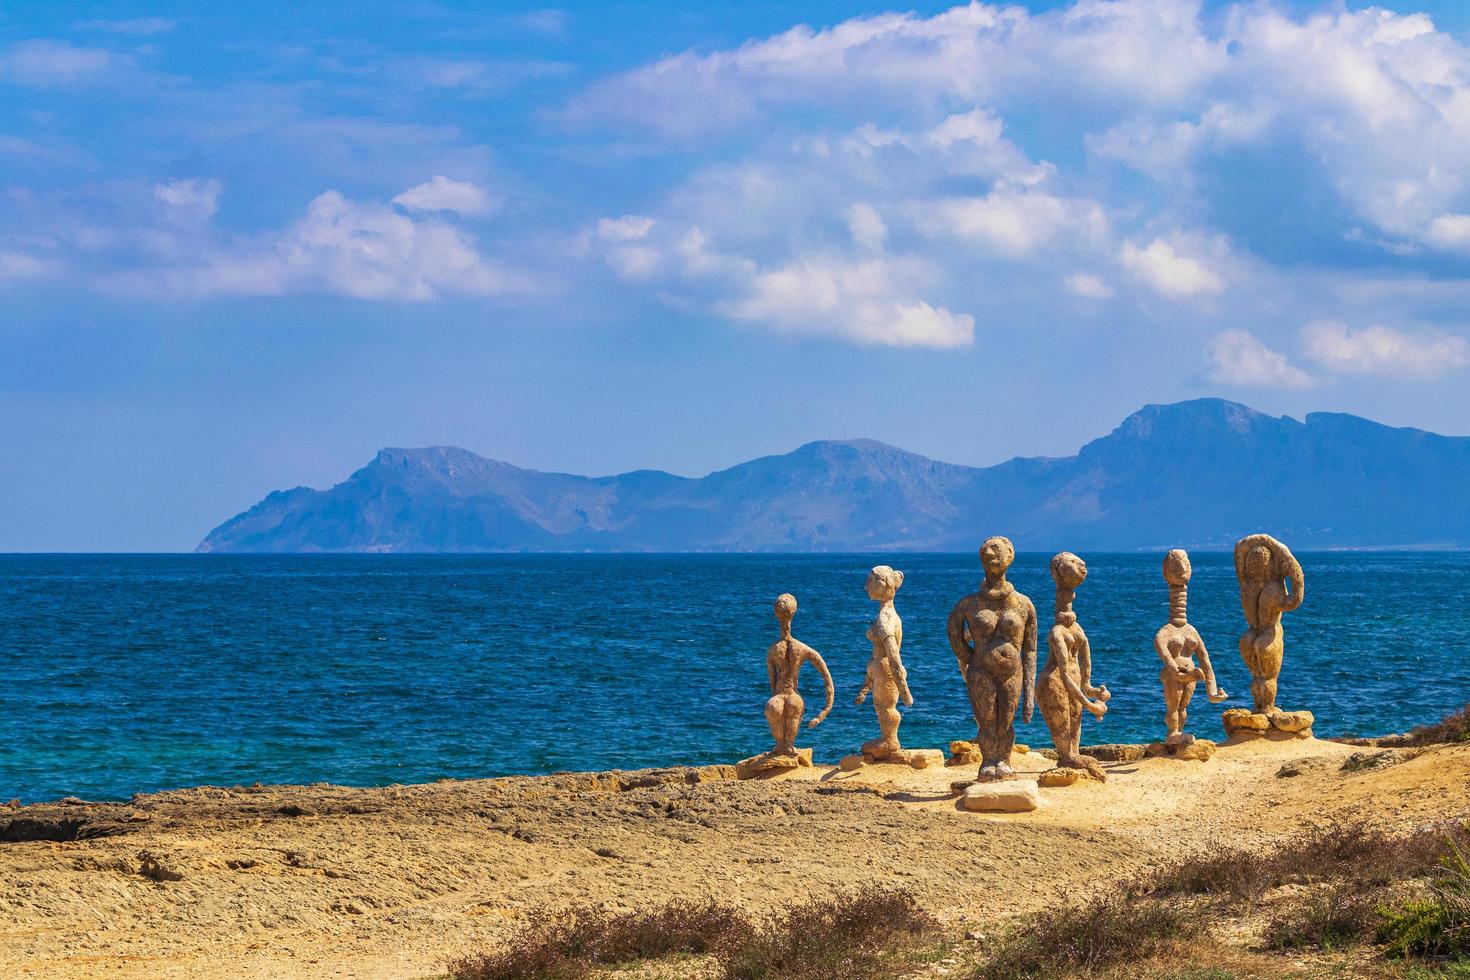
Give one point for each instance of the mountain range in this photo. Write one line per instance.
(1195, 474)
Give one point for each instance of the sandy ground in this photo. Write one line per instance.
(327, 881)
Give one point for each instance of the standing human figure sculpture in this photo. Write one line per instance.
(1265, 567)
(993, 635)
(1065, 687)
(783, 664)
(886, 677)
(1177, 643)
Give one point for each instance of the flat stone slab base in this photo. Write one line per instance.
(1247, 723)
(1107, 752)
(1199, 750)
(964, 753)
(913, 758)
(1065, 776)
(1006, 796)
(769, 764)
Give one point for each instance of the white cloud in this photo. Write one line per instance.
(628, 228)
(135, 26)
(1450, 232)
(442, 194)
(1169, 272)
(1015, 221)
(1379, 350)
(53, 64)
(866, 226)
(1238, 358)
(194, 197)
(1087, 285)
(16, 265)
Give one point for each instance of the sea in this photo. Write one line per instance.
(137, 673)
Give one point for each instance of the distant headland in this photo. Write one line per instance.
(1195, 474)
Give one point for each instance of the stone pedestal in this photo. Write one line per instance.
(1065, 776)
(1198, 750)
(1254, 724)
(1006, 796)
(770, 764)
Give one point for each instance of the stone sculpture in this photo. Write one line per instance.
(886, 676)
(1265, 567)
(1177, 643)
(785, 707)
(1065, 687)
(993, 635)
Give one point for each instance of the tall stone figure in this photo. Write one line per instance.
(1177, 643)
(1065, 688)
(783, 664)
(993, 635)
(886, 678)
(1265, 568)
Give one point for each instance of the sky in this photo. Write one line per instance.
(243, 247)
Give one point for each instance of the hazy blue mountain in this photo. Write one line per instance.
(1197, 474)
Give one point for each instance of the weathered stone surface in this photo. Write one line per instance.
(1242, 721)
(1178, 643)
(1065, 688)
(993, 635)
(851, 763)
(1020, 749)
(1003, 796)
(783, 666)
(963, 753)
(922, 758)
(1066, 776)
(886, 677)
(1265, 568)
(1294, 722)
(1199, 750)
(772, 762)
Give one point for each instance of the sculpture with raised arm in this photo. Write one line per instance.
(1065, 687)
(1265, 568)
(1177, 643)
(993, 635)
(886, 677)
(783, 664)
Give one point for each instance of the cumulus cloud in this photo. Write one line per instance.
(1015, 221)
(1238, 358)
(1169, 272)
(199, 198)
(1087, 285)
(1379, 350)
(867, 226)
(442, 194)
(16, 265)
(53, 64)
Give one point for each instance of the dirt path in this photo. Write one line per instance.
(327, 881)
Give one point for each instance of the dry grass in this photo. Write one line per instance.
(1107, 932)
(1453, 727)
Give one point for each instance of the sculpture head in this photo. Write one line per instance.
(883, 583)
(996, 554)
(1176, 567)
(1257, 564)
(785, 608)
(1068, 570)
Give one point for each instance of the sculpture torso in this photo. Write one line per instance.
(996, 619)
(1181, 641)
(1062, 644)
(787, 656)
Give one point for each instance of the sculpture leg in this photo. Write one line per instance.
(984, 696)
(776, 718)
(795, 707)
(1262, 652)
(1008, 698)
(885, 705)
(1177, 695)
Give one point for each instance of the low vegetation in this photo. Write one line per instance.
(1453, 727)
(858, 934)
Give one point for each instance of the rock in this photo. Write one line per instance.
(920, 758)
(770, 763)
(974, 935)
(1006, 796)
(1293, 722)
(1020, 748)
(851, 763)
(1241, 721)
(1048, 754)
(1359, 761)
(962, 753)
(1116, 752)
(1199, 750)
(1063, 776)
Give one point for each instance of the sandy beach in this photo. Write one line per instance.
(329, 881)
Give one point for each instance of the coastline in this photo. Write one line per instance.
(324, 880)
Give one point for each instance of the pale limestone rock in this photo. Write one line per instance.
(1293, 722)
(1065, 688)
(886, 676)
(1004, 796)
(1196, 749)
(771, 763)
(783, 665)
(852, 763)
(1066, 776)
(922, 758)
(1242, 721)
(963, 753)
(993, 635)
(1265, 568)
(1020, 749)
(1177, 643)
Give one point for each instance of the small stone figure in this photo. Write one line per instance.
(783, 664)
(1065, 688)
(1265, 567)
(1177, 643)
(886, 678)
(993, 635)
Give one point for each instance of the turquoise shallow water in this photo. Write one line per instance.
(123, 674)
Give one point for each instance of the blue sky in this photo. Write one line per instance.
(242, 248)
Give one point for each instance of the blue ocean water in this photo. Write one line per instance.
(124, 674)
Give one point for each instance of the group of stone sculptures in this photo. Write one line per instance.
(993, 634)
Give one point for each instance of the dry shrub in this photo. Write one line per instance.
(1110, 931)
(1453, 727)
(852, 935)
(1337, 916)
(1438, 925)
(566, 944)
